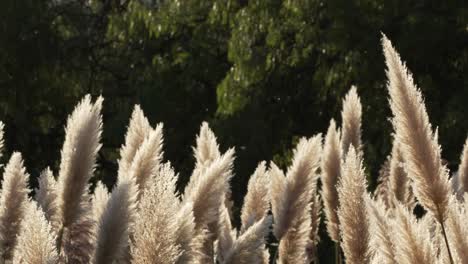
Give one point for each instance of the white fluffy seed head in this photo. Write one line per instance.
(418, 142)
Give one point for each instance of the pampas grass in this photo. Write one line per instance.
(36, 241)
(257, 199)
(351, 118)
(352, 212)
(331, 171)
(144, 219)
(463, 169)
(46, 195)
(291, 198)
(13, 201)
(418, 141)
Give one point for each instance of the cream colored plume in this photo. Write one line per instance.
(207, 149)
(418, 142)
(383, 191)
(206, 152)
(315, 217)
(138, 130)
(154, 239)
(331, 168)
(226, 237)
(115, 223)
(352, 212)
(381, 240)
(99, 200)
(249, 247)
(257, 199)
(147, 160)
(46, 195)
(412, 239)
(13, 204)
(398, 179)
(208, 193)
(36, 240)
(82, 143)
(185, 236)
(463, 169)
(78, 160)
(291, 197)
(458, 229)
(351, 117)
(2, 142)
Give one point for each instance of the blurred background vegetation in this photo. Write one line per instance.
(261, 72)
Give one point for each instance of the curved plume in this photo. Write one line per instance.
(207, 194)
(291, 197)
(458, 229)
(257, 199)
(418, 142)
(351, 118)
(83, 133)
(2, 127)
(46, 194)
(412, 239)
(138, 130)
(99, 200)
(331, 166)
(13, 201)
(79, 152)
(249, 247)
(352, 213)
(154, 239)
(398, 179)
(381, 241)
(36, 242)
(463, 168)
(115, 222)
(206, 152)
(147, 159)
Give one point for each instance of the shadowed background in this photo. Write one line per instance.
(261, 72)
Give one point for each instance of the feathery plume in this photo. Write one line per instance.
(381, 239)
(226, 236)
(398, 178)
(352, 212)
(315, 216)
(147, 160)
(351, 118)
(413, 130)
(154, 238)
(13, 201)
(99, 200)
(458, 229)
(209, 191)
(36, 241)
(83, 133)
(206, 152)
(78, 161)
(249, 247)
(331, 166)
(412, 239)
(257, 199)
(2, 127)
(138, 130)
(463, 168)
(290, 196)
(186, 237)
(46, 194)
(115, 223)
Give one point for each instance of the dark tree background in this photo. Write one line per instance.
(262, 72)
